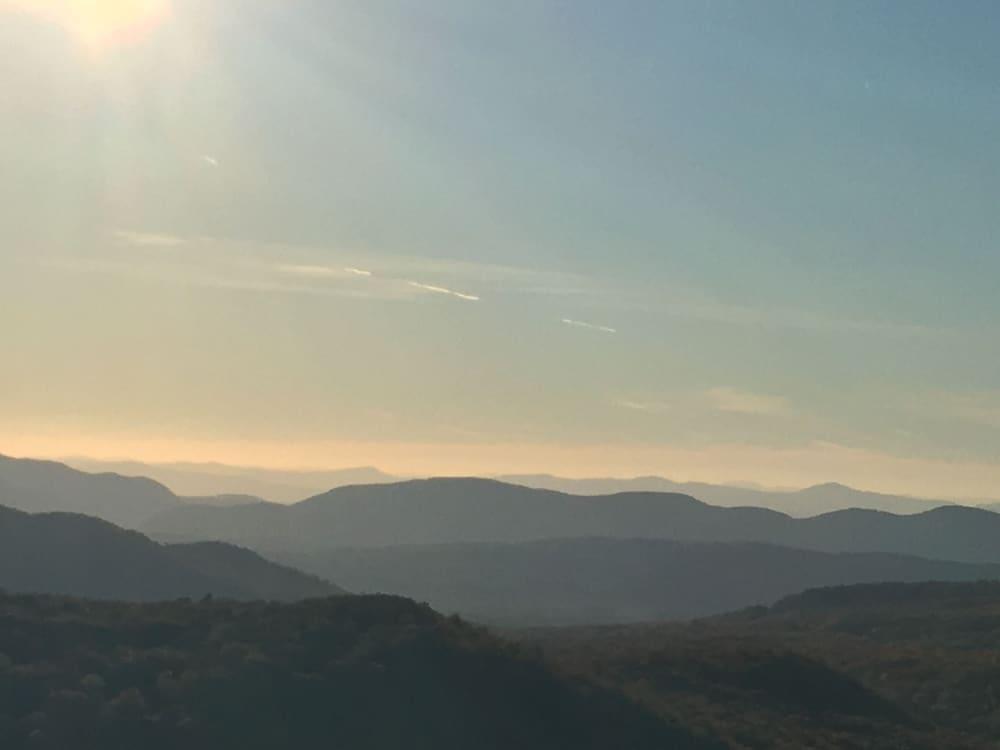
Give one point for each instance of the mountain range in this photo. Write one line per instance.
(491, 550)
(212, 479)
(288, 486)
(802, 503)
(444, 511)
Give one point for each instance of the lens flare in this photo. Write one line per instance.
(98, 24)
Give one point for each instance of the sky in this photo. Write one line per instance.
(722, 241)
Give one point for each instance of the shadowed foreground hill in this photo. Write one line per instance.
(442, 511)
(587, 581)
(366, 673)
(71, 554)
(881, 667)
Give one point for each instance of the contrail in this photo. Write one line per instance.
(590, 326)
(443, 290)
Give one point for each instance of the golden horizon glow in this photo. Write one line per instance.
(800, 466)
(98, 24)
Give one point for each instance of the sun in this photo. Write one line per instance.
(98, 24)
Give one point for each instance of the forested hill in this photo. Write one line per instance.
(365, 673)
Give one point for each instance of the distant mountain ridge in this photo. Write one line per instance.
(212, 479)
(47, 486)
(443, 511)
(811, 501)
(289, 486)
(607, 581)
(63, 553)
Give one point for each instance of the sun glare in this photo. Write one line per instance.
(98, 24)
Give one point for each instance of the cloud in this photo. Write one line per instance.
(147, 239)
(443, 290)
(735, 401)
(320, 271)
(210, 160)
(313, 271)
(649, 407)
(588, 326)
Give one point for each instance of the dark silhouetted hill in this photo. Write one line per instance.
(365, 673)
(880, 666)
(72, 554)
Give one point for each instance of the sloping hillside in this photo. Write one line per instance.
(365, 673)
(47, 486)
(580, 581)
(82, 556)
(881, 666)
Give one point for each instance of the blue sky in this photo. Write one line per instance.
(358, 230)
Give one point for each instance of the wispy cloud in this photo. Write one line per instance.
(310, 271)
(588, 326)
(736, 401)
(648, 407)
(147, 239)
(246, 277)
(319, 272)
(443, 290)
(210, 160)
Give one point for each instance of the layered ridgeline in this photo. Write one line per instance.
(878, 666)
(287, 486)
(211, 479)
(366, 673)
(45, 486)
(444, 511)
(507, 553)
(129, 501)
(588, 581)
(802, 503)
(72, 554)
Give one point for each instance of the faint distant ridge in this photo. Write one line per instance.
(215, 479)
(811, 501)
(64, 553)
(120, 497)
(197, 482)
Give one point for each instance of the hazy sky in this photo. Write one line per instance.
(712, 240)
